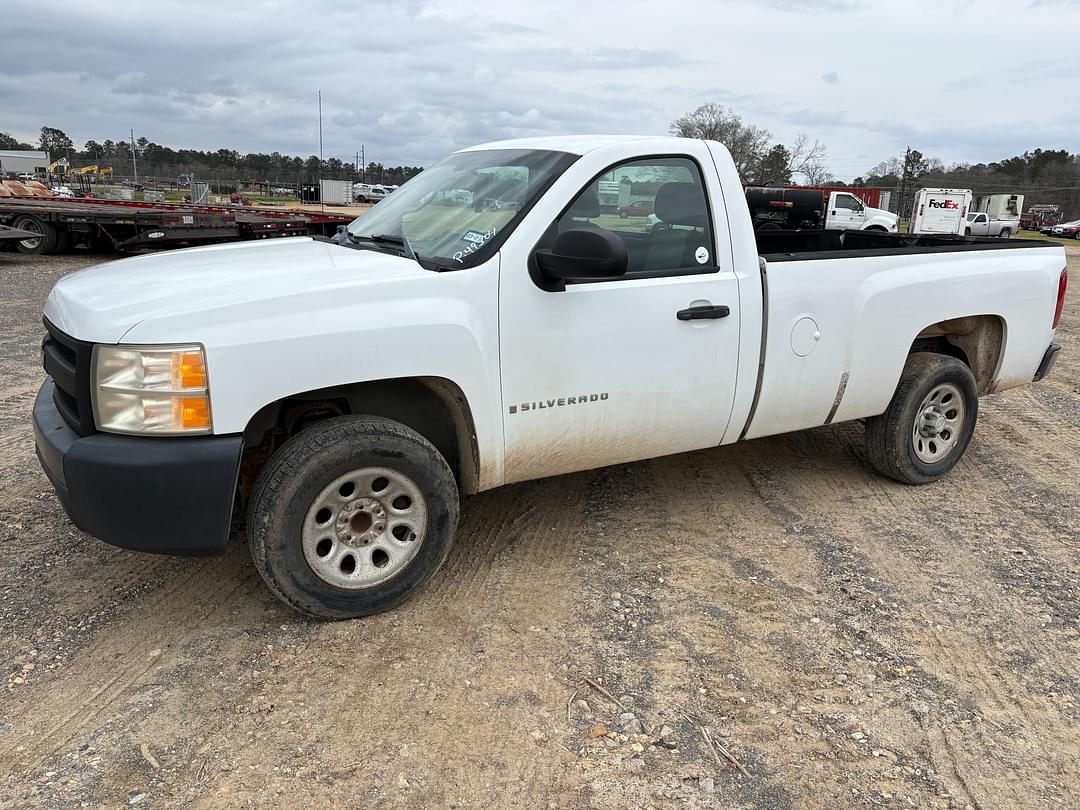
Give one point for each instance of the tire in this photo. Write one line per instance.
(1005, 233)
(302, 556)
(895, 445)
(39, 245)
(1076, 235)
(623, 213)
(63, 241)
(967, 231)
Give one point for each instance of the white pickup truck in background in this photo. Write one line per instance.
(980, 224)
(346, 392)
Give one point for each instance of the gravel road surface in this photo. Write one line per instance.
(848, 640)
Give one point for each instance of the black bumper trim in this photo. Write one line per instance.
(168, 495)
(1048, 360)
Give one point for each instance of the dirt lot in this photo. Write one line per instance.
(851, 641)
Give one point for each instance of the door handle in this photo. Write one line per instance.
(702, 312)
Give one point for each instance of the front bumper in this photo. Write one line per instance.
(166, 495)
(1047, 363)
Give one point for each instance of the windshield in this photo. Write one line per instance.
(457, 213)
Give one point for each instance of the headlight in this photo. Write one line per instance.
(160, 389)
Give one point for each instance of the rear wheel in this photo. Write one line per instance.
(63, 241)
(1005, 233)
(929, 422)
(967, 231)
(37, 245)
(352, 516)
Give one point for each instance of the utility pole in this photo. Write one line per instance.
(363, 165)
(319, 177)
(903, 182)
(320, 134)
(134, 165)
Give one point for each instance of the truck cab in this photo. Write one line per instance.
(848, 212)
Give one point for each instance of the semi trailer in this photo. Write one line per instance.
(58, 225)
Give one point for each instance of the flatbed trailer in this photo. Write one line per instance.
(123, 225)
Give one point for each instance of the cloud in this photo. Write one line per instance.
(809, 6)
(413, 79)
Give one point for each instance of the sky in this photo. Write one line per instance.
(415, 79)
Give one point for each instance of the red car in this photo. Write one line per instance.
(642, 210)
(1067, 230)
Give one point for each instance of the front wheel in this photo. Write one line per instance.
(351, 517)
(929, 422)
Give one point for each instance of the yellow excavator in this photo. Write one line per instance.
(58, 167)
(62, 167)
(94, 169)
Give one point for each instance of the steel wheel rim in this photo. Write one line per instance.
(364, 528)
(938, 423)
(33, 241)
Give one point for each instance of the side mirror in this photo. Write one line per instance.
(584, 254)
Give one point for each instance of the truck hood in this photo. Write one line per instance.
(103, 303)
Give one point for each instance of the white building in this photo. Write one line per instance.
(17, 161)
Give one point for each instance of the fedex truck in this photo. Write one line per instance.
(940, 211)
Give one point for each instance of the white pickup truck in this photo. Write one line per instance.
(346, 392)
(980, 224)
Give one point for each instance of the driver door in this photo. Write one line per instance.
(609, 371)
(845, 211)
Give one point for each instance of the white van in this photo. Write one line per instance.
(940, 211)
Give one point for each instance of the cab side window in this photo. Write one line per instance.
(849, 202)
(658, 207)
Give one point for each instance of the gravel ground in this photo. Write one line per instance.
(848, 640)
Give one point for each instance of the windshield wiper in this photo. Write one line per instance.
(388, 238)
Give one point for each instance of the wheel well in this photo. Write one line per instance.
(434, 407)
(977, 340)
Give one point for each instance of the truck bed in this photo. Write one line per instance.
(839, 332)
(797, 245)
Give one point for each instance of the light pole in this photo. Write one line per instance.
(134, 165)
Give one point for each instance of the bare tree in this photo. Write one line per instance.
(807, 159)
(748, 144)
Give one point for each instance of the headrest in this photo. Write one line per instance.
(681, 204)
(587, 206)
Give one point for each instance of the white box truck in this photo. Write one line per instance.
(335, 192)
(940, 211)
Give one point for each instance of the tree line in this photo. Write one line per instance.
(1043, 176)
(219, 167)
